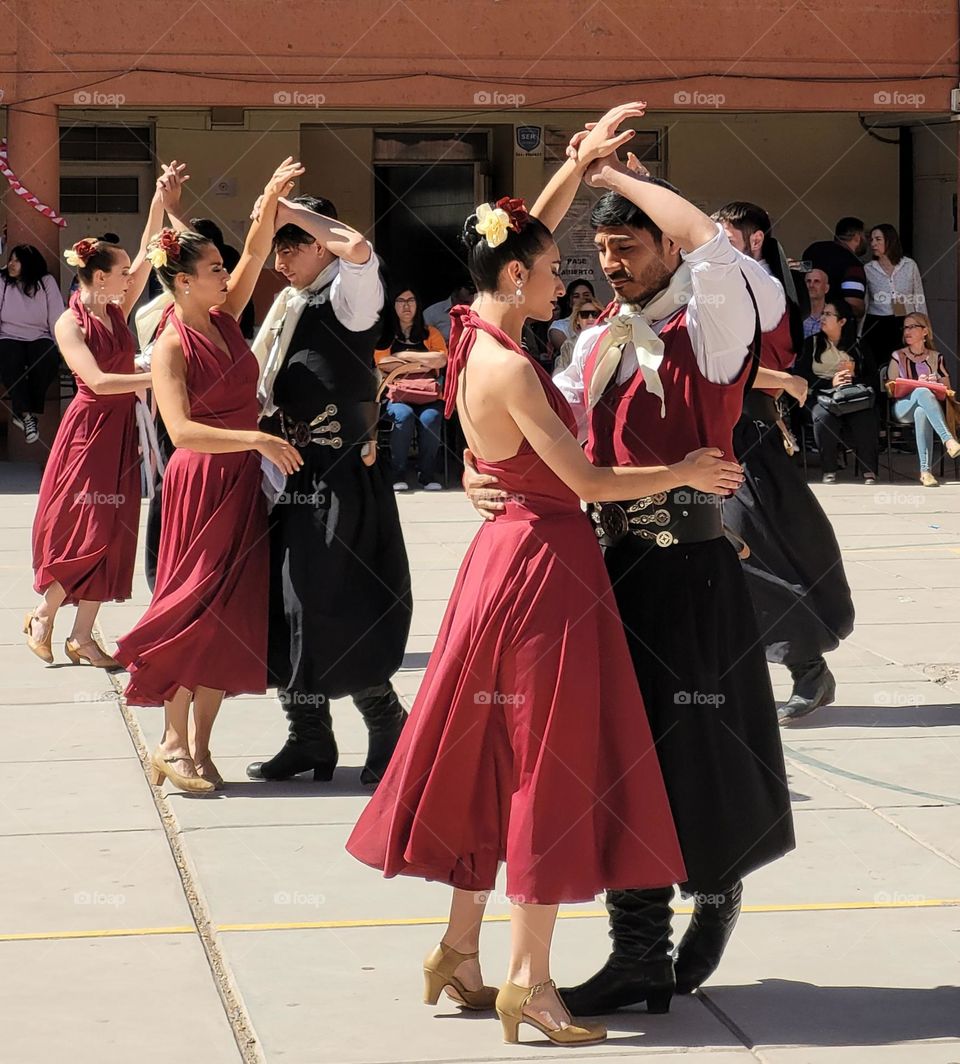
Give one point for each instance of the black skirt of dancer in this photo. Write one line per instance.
(795, 572)
(699, 660)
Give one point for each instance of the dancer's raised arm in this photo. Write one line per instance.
(256, 247)
(140, 267)
(599, 140)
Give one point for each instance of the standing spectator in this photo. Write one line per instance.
(817, 285)
(838, 360)
(209, 228)
(30, 303)
(561, 328)
(894, 290)
(583, 317)
(838, 260)
(437, 315)
(919, 361)
(417, 353)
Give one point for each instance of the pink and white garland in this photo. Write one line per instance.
(14, 181)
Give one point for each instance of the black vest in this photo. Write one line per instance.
(325, 363)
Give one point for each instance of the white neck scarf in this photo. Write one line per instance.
(632, 325)
(273, 339)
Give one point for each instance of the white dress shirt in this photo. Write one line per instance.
(904, 287)
(356, 295)
(720, 319)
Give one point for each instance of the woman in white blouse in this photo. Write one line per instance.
(30, 303)
(894, 290)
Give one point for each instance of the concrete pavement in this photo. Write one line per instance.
(236, 928)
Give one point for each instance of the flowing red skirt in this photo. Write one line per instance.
(528, 741)
(88, 511)
(207, 623)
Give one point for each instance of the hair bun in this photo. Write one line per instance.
(470, 237)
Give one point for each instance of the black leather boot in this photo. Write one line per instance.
(813, 687)
(640, 967)
(384, 717)
(703, 943)
(310, 743)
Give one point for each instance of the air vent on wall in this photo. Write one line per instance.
(227, 116)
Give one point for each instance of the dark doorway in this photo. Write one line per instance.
(420, 210)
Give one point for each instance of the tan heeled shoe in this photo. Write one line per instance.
(511, 1002)
(92, 653)
(207, 770)
(40, 647)
(438, 969)
(928, 480)
(161, 768)
(953, 447)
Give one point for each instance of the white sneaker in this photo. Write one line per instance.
(30, 430)
(829, 478)
(434, 485)
(401, 485)
(17, 422)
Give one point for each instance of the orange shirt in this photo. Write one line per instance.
(434, 342)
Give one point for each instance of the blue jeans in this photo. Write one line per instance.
(924, 408)
(425, 421)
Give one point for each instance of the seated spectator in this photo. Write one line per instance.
(437, 315)
(833, 358)
(417, 353)
(582, 318)
(561, 328)
(919, 362)
(894, 290)
(30, 303)
(838, 260)
(817, 283)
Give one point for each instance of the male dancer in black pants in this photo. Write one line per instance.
(665, 373)
(340, 601)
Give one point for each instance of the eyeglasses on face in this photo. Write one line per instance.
(405, 302)
(829, 314)
(907, 328)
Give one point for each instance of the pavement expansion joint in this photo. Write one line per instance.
(236, 1012)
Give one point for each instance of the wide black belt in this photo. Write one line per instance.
(666, 519)
(336, 425)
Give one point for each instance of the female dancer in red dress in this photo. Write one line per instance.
(88, 511)
(517, 746)
(204, 634)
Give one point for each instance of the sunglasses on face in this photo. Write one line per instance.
(589, 314)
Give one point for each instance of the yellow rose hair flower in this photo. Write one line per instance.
(157, 257)
(492, 223)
